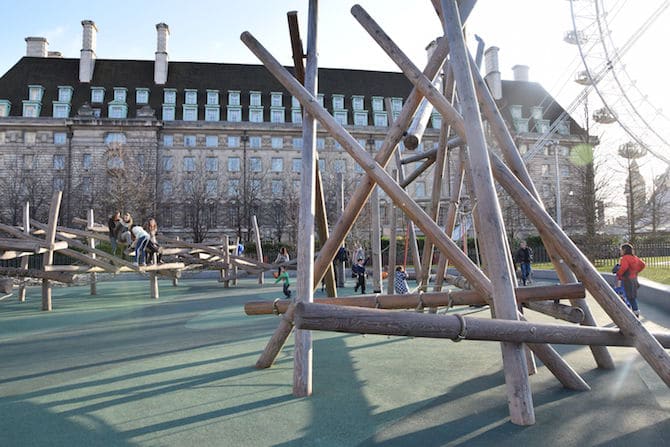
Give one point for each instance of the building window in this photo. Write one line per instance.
(396, 104)
(515, 111)
(59, 183)
(254, 99)
(212, 141)
(256, 115)
(277, 116)
(120, 94)
(563, 127)
(296, 165)
(115, 162)
(59, 162)
(118, 111)
(29, 137)
(436, 120)
(168, 140)
(377, 104)
(168, 163)
(86, 185)
(212, 113)
(189, 164)
(189, 140)
(255, 142)
(360, 118)
(277, 188)
(170, 96)
(64, 93)
(87, 161)
(233, 187)
(233, 98)
(115, 138)
(320, 143)
(213, 97)
(190, 96)
(341, 117)
(234, 114)
(35, 93)
(142, 96)
(521, 124)
(319, 99)
(28, 160)
(168, 113)
(61, 110)
(140, 161)
(277, 164)
(60, 138)
(190, 113)
(255, 164)
(31, 110)
(338, 102)
(297, 143)
(276, 99)
(277, 142)
(233, 164)
(381, 120)
(296, 116)
(211, 188)
(233, 141)
(211, 164)
(546, 170)
(339, 165)
(167, 189)
(5, 107)
(97, 95)
(357, 102)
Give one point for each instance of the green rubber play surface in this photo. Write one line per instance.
(120, 369)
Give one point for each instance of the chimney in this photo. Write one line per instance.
(161, 64)
(36, 47)
(521, 72)
(492, 76)
(87, 58)
(56, 54)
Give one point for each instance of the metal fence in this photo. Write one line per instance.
(654, 254)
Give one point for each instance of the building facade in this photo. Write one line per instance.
(203, 146)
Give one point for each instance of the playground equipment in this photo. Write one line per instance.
(494, 281)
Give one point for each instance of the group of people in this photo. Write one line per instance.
(138, 239)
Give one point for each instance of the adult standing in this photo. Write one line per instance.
(358, 270)
(631, 265)
(114, 225)
(524, 256)
(282, 258)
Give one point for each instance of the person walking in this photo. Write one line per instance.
(630, 266)
(524, 256)
(282, 258)
(358, 271)
(283, 276)
(400, 281)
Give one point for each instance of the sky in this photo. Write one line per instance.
(528, 32)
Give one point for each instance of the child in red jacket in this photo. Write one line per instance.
(631, 265)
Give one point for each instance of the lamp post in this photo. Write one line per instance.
(245, 199)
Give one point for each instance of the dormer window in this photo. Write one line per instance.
(5, 107)
(97, 94)
(61, 110)
(65, 93)
(169, 96)
(396, 104)
(357, 102)
(190, 96)
(276, 99)
(142, 96)
(515, 111)
(377, 104)
(190, 112)
(212, 97)
(319, 98)
(120, 94)
(233, 98)
(338, 102)
(31, 109)
(254, 99)
(536, 112)
(35, 92)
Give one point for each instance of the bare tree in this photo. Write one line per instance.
(21, 185)
(657, 209)
(635, 187)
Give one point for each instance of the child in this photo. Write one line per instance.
(140, 241)
(358, 270)
(283, 276)
(626, 275)
(400, 281)
(152, 246)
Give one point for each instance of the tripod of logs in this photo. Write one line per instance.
(493, 284)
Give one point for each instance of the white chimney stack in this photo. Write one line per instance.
(521, 72)
(87, 58)
(37, 47)
(492, 77)
(161, 64)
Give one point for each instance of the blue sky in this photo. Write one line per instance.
(528, 32)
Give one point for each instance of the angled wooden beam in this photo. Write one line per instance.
(49, 255)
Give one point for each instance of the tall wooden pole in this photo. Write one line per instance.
(393, 236)
(48, 257)
(25, 259)
(376, 242)
(302, 360)
(259, 247)
(90, 222)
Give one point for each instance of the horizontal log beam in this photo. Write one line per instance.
(67, 278)
(428, 299)
(557, 310)
(325, 317)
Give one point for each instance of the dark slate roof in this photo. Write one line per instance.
(53, 72)
(131, 74)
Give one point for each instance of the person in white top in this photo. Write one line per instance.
(140, 240)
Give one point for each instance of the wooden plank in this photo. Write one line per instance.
(34, 273)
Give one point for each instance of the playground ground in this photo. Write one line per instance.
(118, 369)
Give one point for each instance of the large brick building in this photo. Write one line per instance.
(210, 145)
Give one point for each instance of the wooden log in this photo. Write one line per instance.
(393, 240)
(91, 243)
(259, 247)
(323, 232)
(277, 340)
(6, 285)
(427, 299)
(50, 239)
(25, 260)
(557, 310)
(325, 317)
(66, 278)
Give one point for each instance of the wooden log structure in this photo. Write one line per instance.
(25, 261)
(427, 299)
(50, 237)
(326, 317)
(64, 277)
